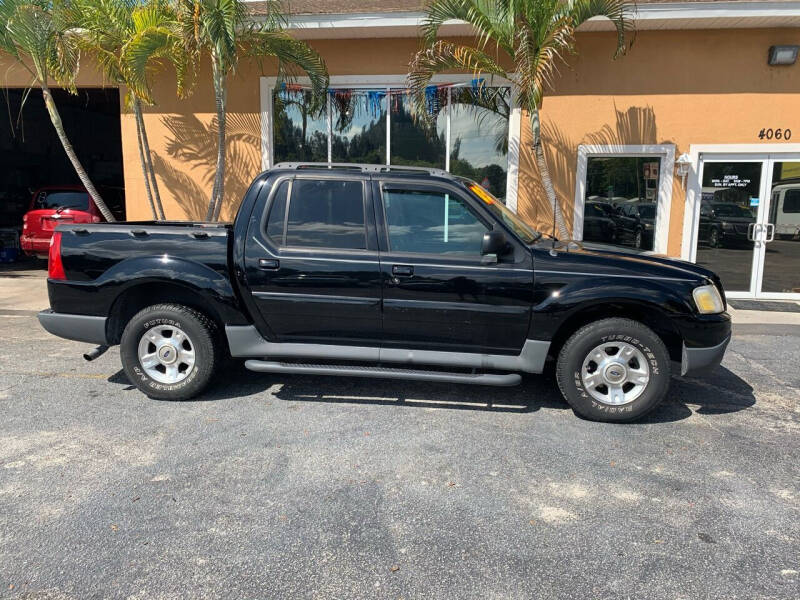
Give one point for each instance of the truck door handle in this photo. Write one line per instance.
(268, 264)
(770, 234)
(402, 270)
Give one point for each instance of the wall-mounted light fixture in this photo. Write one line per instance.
(782, 55)
(682, 166)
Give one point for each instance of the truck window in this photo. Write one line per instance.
(322, 214)
(65, 199)
(791, 201)
(431, 222)
(277, 214)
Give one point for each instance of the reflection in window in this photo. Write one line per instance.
(412, 143)
(479, 136)
(431, 223)
(478, 118)
(781, 274)
(358, 122)
(326, 214)
(299, 133)
(620, 205)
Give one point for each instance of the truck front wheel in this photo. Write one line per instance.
(168, 351)
(613, 370)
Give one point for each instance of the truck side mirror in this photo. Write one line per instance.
(493, 246)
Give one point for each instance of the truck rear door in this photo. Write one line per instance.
(311, 262)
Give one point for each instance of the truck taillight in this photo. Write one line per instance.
(55, 268)
(96, 219)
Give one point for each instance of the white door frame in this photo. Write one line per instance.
(666, 154)
(768, 154)
(267, 86)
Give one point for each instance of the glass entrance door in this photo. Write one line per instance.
(748, 227)
(780, 273)
(727, 243)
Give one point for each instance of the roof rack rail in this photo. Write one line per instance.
(362, 168)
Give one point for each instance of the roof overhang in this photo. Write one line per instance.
(660, 15)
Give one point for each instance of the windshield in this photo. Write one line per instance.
(731, 210)
(53, 200)
(527, 233)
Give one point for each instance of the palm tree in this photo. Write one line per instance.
(39, 35)
(128, 38)
(222, 30)
(532, 36)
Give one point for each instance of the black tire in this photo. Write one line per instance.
(202, 333)
(584, 341)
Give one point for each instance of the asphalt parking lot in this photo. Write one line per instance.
(300, 487)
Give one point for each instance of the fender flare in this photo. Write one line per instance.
(213, 287)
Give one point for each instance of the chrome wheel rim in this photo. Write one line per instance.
(166, 354)
(615, 373)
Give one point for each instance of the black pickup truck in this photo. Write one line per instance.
(370, 271)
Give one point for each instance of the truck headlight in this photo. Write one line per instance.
(708, 300)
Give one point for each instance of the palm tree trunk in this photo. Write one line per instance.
(148, 191)
(544, 174)
(218, 191)
(159, 208)
(55, 117)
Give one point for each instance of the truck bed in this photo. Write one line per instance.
(100, 259)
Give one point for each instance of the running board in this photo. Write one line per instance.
(503, 379)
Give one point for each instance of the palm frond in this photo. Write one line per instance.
(490, 20)
(619, 12)
(293, 56)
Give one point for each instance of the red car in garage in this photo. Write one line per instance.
(51, 206)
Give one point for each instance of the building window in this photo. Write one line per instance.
(470, 135)
(412, 144)
(298, 133)
(479, 134)
(358, 128)
(622, 195)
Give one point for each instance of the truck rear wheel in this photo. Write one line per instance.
(613, 370)
(168, 351)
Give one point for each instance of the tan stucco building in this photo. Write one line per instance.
(694, 94)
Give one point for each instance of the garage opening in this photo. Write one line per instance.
(32, 155)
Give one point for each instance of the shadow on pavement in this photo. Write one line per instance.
(719, 393)
(24, 266)
(722, 392)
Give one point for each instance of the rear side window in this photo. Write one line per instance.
(431, 222)
(326, 214)
(320, 214)
(791, 201)
(277, 214)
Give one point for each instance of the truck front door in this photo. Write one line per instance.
(439, 293)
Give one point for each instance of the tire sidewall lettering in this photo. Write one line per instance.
(629, 332)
